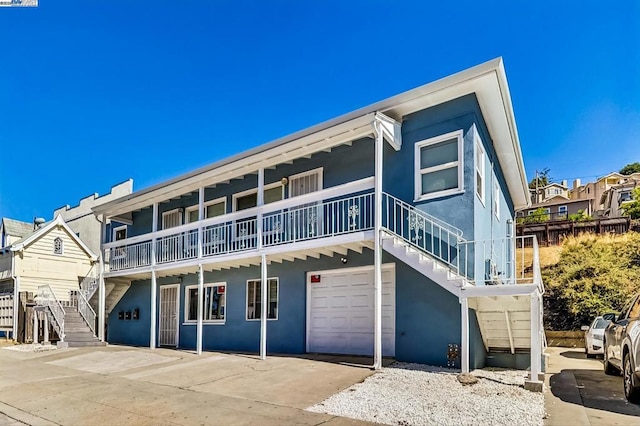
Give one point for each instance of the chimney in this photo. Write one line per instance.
(576, 183)
(564, 183)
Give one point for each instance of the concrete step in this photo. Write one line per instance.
(74, 337)
(74, 344)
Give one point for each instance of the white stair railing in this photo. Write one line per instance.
(86, 311)
(429, 234)
(89, 283)
(48, 299)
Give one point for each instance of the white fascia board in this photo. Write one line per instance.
(58, 221)
(242, 164)
(498, 290)
(391, 130)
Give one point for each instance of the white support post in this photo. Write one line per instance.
(154, 284)
(200, 309)
(16, 300)
(35, 327)
(45, 326)
(377, 332)
(200, 218)
(102, 298)
(152, 332)
(535, 338)
(260, 202)
(464, 341)
(263, 307)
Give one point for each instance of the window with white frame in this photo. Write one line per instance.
(254, 299)
(119, 233)
(214, 306)
(212, 208)
(562, 209)
(171, 219)
(496, 199)
(479, 170)
(438, 166)
(58, 246)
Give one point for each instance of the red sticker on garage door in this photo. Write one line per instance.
(315, 278)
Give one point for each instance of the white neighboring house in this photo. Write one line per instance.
(50, 262)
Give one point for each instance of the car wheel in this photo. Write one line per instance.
(608, 368)
(632, 393)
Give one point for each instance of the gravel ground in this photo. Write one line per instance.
(31, 348)
(414, 394)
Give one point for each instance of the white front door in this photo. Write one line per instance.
(169, 315)
(340, 311)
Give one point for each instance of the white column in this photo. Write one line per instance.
(377, 332)
(35, 327)
(152, 335)
(263, 307)
(260, 202)
(200, 309)
(102, 308)
(16, 301)
(464, 341)
(154, 284)
(535, 337)
(46, 328)
(200, 218)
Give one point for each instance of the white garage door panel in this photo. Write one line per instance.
(341, 312)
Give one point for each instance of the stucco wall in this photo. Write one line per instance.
(427, 317)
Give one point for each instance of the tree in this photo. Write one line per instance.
(632, 208)
(541, 179)
(539, 215)
(630, 169)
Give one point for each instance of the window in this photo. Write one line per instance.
(634, 312)
(562, 209)
(214, 306)
(438, 170)
(480, 170)
(212, 208)
(254, 295)
(58, 246)
(248, 199)
(119, 233)
(496, 199)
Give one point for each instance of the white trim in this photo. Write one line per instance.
(194, 207)
(246, 297)
(177, 313)
(318, 171)
(58, 221)
(419, 171)
(186, 321)
(480, 169)
(384, 266)
(168, 212)
(116, 229)
(237, 195)
(566, 210)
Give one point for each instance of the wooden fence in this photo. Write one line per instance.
(553, 233)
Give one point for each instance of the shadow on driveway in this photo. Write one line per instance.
(592, 389)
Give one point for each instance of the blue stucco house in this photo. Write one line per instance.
(388, 231)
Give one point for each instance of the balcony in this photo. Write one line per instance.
(332, 212)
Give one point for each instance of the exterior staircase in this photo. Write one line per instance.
(438, 251)
(77, 332)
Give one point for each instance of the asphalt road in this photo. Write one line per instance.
(579, 393)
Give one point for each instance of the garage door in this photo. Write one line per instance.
(340, 311)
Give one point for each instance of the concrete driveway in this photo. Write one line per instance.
(579, 393)
(124, 385)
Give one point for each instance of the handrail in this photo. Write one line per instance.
(86, 311)
(425, 215)
(88, 285)
(47, 298)
(335, 191)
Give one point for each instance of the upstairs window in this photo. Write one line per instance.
(58, 246)
(480, 170)
(438, 166)
(496, 199)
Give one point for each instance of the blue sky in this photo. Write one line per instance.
(93, 93)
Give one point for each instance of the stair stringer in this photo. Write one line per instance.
(425, 264)
(117, 292)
